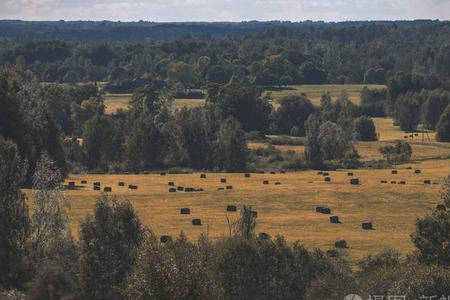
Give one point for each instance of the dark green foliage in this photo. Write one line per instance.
(400, 153)
(408, 112)
(373, 102)
(443, 126)
(313, 152)
(433, 108)
(231, 147)
(365, 129)
(291, 114)
(109, 241)
(14, 220)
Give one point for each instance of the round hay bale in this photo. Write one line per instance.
(393, 182)
(162, 174)
(327, 179)
(97, 183)
(282, 172)
(229, 187)
(172, 190)
(171, 183)
(220, 189)
(341, 244)
(427, 181)
(196, 222)
(71, 183)
(441, 207)
(417, 171)
(132, 187)
(146, 172)
(323, 210)
(320, 173)
(203, 176)
(334, 219)
(383, 181)
(354, 181)
(416, 134)
(223, 180)
(277, 183)
(165, 239)
(350, 174)
(189, 189)
(264, 236)
(96, 188)
(266, 182)
(405, 136)
(180, 188)
(83, 181)
(247, 175)
(394, 172)
(273, 173)
(367, 225)
(402, 182)
(107, 189)
(326, 174)
(185, 211)
(121, 183)
(231, 208)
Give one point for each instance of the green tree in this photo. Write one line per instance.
(14, 220)
(365, 129)
(443, 126)
(231, 147)
(182, 72)
(408, 112)
(313, 152)
(292, 112)
(433, 108)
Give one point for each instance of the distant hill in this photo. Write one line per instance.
(132, 31)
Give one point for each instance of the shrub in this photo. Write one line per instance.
(365, 129)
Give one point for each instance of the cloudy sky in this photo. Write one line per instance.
(224, 10)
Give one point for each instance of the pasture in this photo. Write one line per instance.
(287, 208)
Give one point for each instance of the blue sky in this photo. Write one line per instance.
(224, 10)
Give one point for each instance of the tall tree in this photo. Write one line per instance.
(313, 150)
(231, 147)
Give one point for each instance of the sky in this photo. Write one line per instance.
(224, 10)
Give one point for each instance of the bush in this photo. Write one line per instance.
(443, 126)
(365, 129)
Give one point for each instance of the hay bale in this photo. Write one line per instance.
(146, 172)
(231, 208)
(354, 181)
(282, 172)
(350, 174)
(411, 135)
(189, 189)
(383, 181)
(203, 176)
(180, 188)
(266, 182)
(247, 175)
(171, 183)
(394, 172)
(334, 220)
(229, 187)
(121, 183)
(196, 222)
(273, 173)
(409, 168)
(277, 183)
(393, 182)
(327, 179)
(198, 190)
(323, 210)
(172, 190)
(185, 211)
(326, 174)
(107, 189)
(264, 236)
(320, 173)
(402, 182)
(417, 171)
(220, 189)
(132, 187)
(97, 183)
(366, 225)
(435, 182)
(441, 207)
(71, 183)
(162, 174)
(165, 239)
(83, 181)
(405, 136)
(96, 188)
(416, 134)
(427, 181)
(223, 180)
(341, 244)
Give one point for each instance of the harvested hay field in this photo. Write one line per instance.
(287, 209)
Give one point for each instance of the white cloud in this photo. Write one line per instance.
(223, 10)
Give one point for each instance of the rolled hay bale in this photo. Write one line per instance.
(326, 174)
(350, 174)
(247, 175)
(427, 181)
(416, 134)
(402, 182)
(107, 189)
(435, 182)
(393, 182)
(165, 239)
(172, 190)
(383, 181)
(97, 183)
(273, 173)
(254, 214)
(341, 244)
(96, 188)
(171, 183)
(146, 172)
(394, 172)
(121, 183)
(180, 188)
(332, 253)
(405, 136)
(83, 181)
(196, 222)
(132, 187)
(198, 190)
(71, 184)
(411, 135)
(231, 208)
(366, 225)
(409, 168)
(264, 236)
(203, 176)
(354, 181)
(266, 182)
(320, 173)
(162, 174)
(277, 183)
(327, 179)
(185, 211)
(223, 180)
(323, 210)
(441, 207)
(221, 189)
(417, 171)
(282, 172)
(229, 187)
(189, 189)
(334, 220)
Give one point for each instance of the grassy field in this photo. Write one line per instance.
(287, 209)
(116, 101)
(315, 91)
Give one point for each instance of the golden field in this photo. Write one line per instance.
(287, 209)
